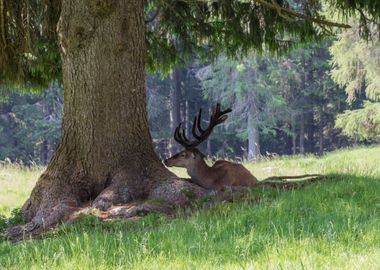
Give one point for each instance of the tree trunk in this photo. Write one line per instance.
(175, 106)
(105, 154)
(294, 134)
(44, 152)
(253, 137)
(302, 133)
(208, 143)
(321, 127)
(310, 130)
(187, 118)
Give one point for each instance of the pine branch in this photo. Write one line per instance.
(287, 13)
(281, 11)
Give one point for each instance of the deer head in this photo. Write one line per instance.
(191, 156)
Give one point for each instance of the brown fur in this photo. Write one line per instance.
(223, 173)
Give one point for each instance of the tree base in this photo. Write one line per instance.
(165, 197)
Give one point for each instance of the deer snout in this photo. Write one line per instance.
(167, 162)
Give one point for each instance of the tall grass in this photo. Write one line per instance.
(333, 224)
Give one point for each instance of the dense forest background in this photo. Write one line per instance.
(315, 99)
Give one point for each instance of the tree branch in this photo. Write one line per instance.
(281, 10)
(287, 12)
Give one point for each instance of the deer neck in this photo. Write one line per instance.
(199, 172)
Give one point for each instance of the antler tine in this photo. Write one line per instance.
(219, 116)
(226, 111)
(197, 124)
(180, 137)
(183, 135)
(199, 117)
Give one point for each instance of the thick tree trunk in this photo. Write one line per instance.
(105, 154)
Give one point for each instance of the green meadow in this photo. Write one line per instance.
(332, 224)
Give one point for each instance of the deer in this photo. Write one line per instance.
(222, 173)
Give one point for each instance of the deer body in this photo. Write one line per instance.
(223, 173)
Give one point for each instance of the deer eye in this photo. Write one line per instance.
(183, 155)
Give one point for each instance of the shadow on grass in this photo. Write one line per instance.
(342, 210)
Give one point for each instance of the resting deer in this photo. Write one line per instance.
(222, 173)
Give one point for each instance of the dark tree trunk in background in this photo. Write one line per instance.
(187, 118)
(208, 142)
(44, 152)
(302, 133)
(253, 136)
(310, 130)
(294, 133)
(105, 154)
(175, 106)
(320, 129)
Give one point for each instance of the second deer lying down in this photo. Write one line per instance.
(222, 173)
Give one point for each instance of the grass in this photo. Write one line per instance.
(16, 183)
(328, 225)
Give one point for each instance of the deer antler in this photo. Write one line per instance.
(217, 117)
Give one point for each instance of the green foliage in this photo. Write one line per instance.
(29, 51)
(356, 67)
(361, 124)
(30, 125)
(327, 225)
(356, 63)
(29, 54)
(207, 29)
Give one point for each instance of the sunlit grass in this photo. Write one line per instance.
(16, 183)
(327, 225)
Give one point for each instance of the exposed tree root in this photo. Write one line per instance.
(178, 192)
(42, 221)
